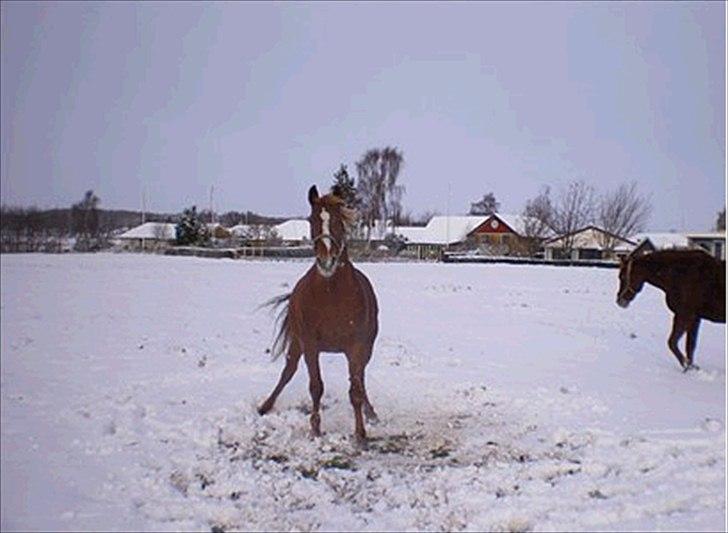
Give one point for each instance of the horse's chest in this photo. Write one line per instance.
(338, 326)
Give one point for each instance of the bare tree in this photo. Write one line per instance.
(538, 217)
(379, 192)
(85, 221)
(622, 212)
(485, 206)
(573, 210)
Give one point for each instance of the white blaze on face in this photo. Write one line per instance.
(325, 231)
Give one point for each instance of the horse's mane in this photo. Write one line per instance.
(335, 203)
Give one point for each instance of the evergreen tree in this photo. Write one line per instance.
(191, 230)
(487, 206)
(344, 187)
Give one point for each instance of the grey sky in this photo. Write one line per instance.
(264, 99)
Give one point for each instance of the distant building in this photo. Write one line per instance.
(713, 242)
(148, 236)
(499, 233)
(590, 242)
(649, 242)
(218, 231)
(439, 233)
(505, 234)
(294, 231)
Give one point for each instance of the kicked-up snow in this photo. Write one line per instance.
(511, 398)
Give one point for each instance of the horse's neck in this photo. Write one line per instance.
(656, 275)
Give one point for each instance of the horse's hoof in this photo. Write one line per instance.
(691, 367)
(361, 443)
(263, 409)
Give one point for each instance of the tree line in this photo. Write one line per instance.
(91, 227)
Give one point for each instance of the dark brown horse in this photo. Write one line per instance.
(694, 286)
(331, 309)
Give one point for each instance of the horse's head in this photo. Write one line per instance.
(631, 279)
(329, 220)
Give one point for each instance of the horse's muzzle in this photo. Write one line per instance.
(327, 267)
(623, 302)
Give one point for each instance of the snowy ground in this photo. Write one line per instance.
(510, 397)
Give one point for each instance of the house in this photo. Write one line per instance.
(439, 233)
(649, 242)
(505, 234)
(499, 233)
(294, 231)
(713, 243)
(590, 242)
(218, 231)
(149, 236)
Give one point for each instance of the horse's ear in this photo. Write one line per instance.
(312, 194)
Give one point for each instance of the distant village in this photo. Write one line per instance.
(496, 235)
(576, 226)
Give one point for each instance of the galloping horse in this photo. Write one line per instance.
(694, 286)
(332, 308)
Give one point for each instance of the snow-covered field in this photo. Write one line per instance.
(511, 398)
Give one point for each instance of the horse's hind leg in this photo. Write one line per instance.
(316, 388)
(679, 326)
(294, 355)
(692, 342)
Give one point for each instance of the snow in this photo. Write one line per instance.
(511, 398)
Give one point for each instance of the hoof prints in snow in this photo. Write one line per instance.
(467, 461)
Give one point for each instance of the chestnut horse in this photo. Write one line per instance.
(332, 308)
(694, 286)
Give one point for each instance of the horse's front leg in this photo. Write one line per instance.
(692, 343)
(369, 412)
(292, 358)
(679, 326)
(316, 388)
(357, 359)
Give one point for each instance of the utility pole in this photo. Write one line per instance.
(144, 208)
(447, 218)
(212, 213)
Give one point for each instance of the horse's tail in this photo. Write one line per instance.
(283, 337)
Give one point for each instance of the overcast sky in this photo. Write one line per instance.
(262, 100)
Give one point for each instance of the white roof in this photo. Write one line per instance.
(245, 230)
(709, 235)
(294, 230)
(663, 241)
(241, 230)
(151, 230)
(441, 229)
(591, 237)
